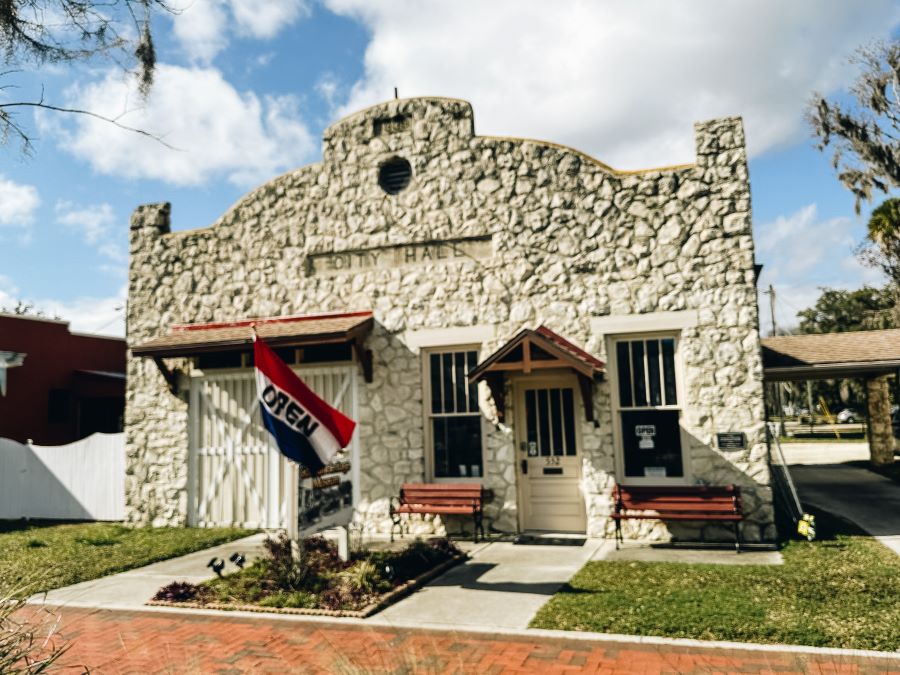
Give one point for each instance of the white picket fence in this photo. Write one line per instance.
(80, 481)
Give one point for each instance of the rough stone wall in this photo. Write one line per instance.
(571, 240)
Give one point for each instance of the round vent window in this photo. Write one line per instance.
(394, 175)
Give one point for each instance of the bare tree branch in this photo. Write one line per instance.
(34, 32)
(5, 119)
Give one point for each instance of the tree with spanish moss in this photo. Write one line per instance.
(34, 33)
(864, 139)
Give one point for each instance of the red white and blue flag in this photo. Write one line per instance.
(306, 429)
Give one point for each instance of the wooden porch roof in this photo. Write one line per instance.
(289, 331)
(536, 346)
(539, 349)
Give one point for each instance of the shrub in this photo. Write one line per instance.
(318, 560)
(318, 579)
(296, 599)
(419, 557)
(363, 576)
(180, 591)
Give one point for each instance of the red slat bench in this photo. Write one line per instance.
(451, 499)
(678, 502)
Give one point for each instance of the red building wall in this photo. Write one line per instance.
(86, 372)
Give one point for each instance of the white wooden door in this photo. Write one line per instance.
(236, 476)
(549, 456)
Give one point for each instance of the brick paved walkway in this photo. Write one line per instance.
(109, 641)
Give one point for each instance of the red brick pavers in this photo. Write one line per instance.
(109, 641)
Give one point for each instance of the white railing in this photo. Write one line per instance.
(84, 480)
(782, 475)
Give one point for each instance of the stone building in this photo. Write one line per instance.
(500, 310)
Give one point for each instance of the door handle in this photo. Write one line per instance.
(524, 466)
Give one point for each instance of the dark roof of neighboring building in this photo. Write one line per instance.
(831, 355)
(187, 339)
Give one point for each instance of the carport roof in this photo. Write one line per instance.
(831, 355)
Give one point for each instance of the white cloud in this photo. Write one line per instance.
(8, 291)
(265, 18)
(201, 28)
(96, 224)
(94, 221)
(104, 315)
(329, 87)
(800, 246)
(622, 81)
(85, 314)
(18, 203)
(215, 130)
(204, 27)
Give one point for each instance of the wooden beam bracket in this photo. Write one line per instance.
(170, 376)
(586, 384)
(497, 386)
(364, 356)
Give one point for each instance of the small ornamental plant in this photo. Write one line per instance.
(29, 638)
(315, 577)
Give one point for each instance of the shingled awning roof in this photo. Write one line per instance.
(538, 349)
(831, 355)
(285, 331)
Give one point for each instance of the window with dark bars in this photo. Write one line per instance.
(550, 422)
(646, 373)
(454, 416)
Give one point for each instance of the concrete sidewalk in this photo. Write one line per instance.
(824, 453)
(131, 589)
(502, 586)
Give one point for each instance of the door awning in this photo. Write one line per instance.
(534, 350)
(286, 331)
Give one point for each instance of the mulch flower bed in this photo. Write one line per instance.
(319, 582)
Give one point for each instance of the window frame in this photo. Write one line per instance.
(617, 408)
(428, 432)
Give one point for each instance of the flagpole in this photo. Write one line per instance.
(291, 485)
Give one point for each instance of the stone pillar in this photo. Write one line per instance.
(881, 434)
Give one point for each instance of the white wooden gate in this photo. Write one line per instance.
(237, 477)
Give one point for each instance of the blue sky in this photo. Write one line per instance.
(245, 88)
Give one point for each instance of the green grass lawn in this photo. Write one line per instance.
(40, 556)
(843, 591)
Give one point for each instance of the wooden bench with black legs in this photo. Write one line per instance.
(678, 502)
(446, 499)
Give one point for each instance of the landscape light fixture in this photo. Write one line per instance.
(217, 565)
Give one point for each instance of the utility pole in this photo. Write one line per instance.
(771, 294)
